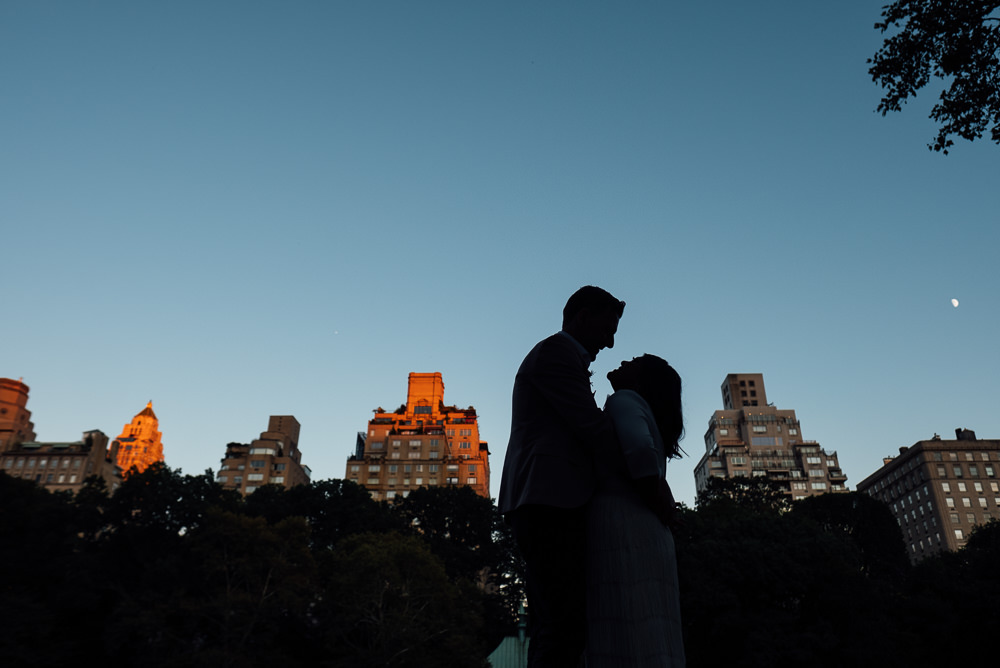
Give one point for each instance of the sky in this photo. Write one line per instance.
(244, 209)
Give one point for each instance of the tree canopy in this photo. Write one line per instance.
(957, 41)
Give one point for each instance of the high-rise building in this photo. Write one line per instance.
(750, 437)
(272, 459)
(939, 490)
(423, 443)
(64, 466)
(15, 418)
(140, 443)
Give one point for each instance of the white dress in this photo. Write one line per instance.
(633, 609)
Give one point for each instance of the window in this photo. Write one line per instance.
(989, 471)
(433, 468)
(793, 431)
(414, 444)
(262, 451)
(973, 471)
(433, 454)
(953, 517)
(970, 518)
(374, 468)
(957, 470)
(961, 487)
(982, 502)
(72, 478)
(420, 481)
(395, 455)
(255, 477)
(968, 457)
(251, 489)
(472, 468)
(815, 473)
(470, 481)
(959, 535)
(813, 460)
(941, 472)
(950, 502)
(372, 481)
(966, 502)
(819, 485)
(978, 486)
(759, 429)
(279, 467)
(257, 463)
(396, 443)
(464, 445)
(393, 468)
(238, 479)
(390, 495)
(723, 432)
(414, 455)
(945, 487)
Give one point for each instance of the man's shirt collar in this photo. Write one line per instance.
(584, 355)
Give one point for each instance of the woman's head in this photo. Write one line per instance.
(660, 385)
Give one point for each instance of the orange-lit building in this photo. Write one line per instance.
(63, 466)
(15, 418)
(139, 444)
(423, 443)
(272, 459)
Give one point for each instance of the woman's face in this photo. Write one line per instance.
(626, 376)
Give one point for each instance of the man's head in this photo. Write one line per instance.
(591, 317)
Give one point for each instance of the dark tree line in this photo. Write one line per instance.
(172, 570)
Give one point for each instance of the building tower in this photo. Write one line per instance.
(15, 418)
(423, 443)
(272, 459)
(750, 437)
(139, 444)
(939, 490)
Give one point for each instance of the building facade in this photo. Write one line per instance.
(939, 490)
(15, 418)
(423, 443)
(63, 467)
(751, 437)
(140, 443)
(272, 459)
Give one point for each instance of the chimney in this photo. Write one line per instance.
(965, 434)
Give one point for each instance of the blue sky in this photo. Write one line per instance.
(239, 209)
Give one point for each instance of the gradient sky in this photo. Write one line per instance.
(239, 209)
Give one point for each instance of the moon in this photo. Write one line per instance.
(954, 302)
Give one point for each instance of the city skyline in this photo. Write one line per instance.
(243, 210)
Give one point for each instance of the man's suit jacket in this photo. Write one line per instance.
(555, 426)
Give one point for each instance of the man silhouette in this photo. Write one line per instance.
(548, 473)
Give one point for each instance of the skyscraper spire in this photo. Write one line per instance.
(139, 444)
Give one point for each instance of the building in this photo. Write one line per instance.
(272, 459)
(63, 467)
(750, 437)
(15, 418)
(423, 443)
(140, 443)
(939, 490)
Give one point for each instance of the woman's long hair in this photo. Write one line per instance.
(661, 388)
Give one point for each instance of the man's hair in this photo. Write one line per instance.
(592, 298)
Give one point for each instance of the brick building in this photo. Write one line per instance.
(272, 459)
(939, 490)
(751, 437)
(423, 443)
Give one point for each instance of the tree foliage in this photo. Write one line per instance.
(957, 41)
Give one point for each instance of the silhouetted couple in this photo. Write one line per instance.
(586, 494)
